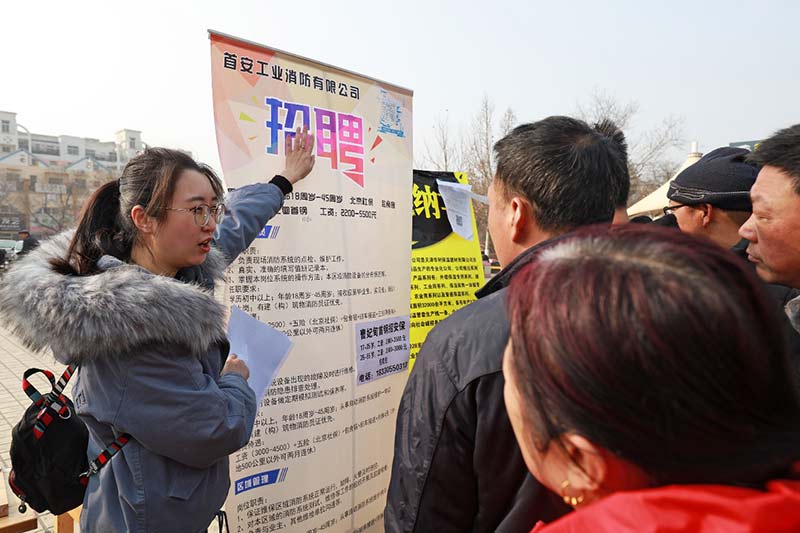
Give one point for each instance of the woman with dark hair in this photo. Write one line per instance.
(648, 384)
(128, 297)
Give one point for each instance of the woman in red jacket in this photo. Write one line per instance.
(648, 384)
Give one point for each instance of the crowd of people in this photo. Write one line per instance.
(615, 377)
(611, 377)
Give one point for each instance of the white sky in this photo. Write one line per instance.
(89, 68)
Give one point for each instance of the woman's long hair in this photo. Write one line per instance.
(105, 226)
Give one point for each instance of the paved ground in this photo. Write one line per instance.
(14, 360)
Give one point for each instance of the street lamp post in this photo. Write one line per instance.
(26, 185)
(30, 142)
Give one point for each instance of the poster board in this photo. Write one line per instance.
(446, 268)
(331, 270)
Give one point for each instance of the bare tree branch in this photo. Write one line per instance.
(445, 153)
(648, 153)
(507, 122)
(649, 150)
(478, 147)
(603, 105)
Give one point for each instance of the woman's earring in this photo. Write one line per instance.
(570, 500)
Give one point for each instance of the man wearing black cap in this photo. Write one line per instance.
(712, 197)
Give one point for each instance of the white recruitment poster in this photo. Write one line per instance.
(332, 271)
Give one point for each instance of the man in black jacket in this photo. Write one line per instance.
(773, 230)
(711, 199)
(457, 466)
(29, 242)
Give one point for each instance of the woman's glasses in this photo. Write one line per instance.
(202, 213)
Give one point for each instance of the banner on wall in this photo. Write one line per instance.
(332, 272)
(446, 265)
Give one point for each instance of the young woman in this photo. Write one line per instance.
(128, 297)
(648, 384)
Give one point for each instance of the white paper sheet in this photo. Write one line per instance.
(263, 348)
(456, 198)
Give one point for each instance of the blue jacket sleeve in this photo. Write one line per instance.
(248, 209)
(176, 410)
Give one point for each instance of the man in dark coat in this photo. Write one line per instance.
(457, 466)
(29, 242)
(711, 198)
(772, 230)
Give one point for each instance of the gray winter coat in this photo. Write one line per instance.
(150, 350)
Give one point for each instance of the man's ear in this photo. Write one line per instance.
(587, 470)
(707, 210)
(143, 222)
(521, 213)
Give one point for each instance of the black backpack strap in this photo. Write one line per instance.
(53, 403)
(55, 399)
(58, 388)
(110, 451)
(32, 392)
(104, 457)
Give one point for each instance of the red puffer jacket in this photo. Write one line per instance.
(695, 508)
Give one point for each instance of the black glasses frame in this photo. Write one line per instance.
(668, 209)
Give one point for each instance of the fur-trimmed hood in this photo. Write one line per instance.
(111, 313)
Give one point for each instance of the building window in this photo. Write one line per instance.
(5, 127)
(72, 150)
(89, 152)
(23, 144)
(44, 148)
(56, 181)
(132, 143)
(6, 149)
